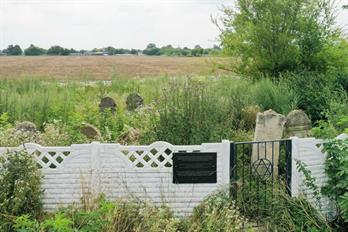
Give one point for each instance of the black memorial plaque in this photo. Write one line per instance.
(194, 168)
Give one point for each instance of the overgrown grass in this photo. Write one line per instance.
(216, 213)
(178, 110)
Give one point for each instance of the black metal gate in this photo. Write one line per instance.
(257, 170)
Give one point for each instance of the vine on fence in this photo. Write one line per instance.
(309, 181)
(336, 168)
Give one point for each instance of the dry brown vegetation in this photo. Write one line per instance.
(103, 68)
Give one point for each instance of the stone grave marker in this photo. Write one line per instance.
(26, 127)
(107, 103)
(269, 126)
(134, 101)
(297, 124)
(90, 131)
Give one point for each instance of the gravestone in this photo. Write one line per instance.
(269, 126)
(90, 131)
(131, 136)
(107, 103)
(26, 127)
(297, 124)
(134, 101)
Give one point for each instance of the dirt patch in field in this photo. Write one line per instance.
(103, 68)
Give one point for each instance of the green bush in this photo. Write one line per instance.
(118, 216)
(315, 91)
(189, 114)
(276, 96)
(276, 36)
(337, 120)
(53, 134)
(273, 209)
(217, 213)
(209, 110)
(21, 193)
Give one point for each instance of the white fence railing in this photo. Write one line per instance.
(309, 151)
(146, 173)
(143, 172)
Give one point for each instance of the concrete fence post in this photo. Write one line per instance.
(226, 161)
(95, 168)
(295, 175)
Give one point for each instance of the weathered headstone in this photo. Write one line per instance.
(131, 136)
(26, 127)
(297, 124)
(107, 103)
(269, 126)
(134, 101)
(90, 131)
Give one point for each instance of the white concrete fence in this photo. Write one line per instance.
(309, 152)
(145, 172)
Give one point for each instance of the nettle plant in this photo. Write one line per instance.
(336, 168)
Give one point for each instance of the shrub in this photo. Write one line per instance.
(53, 134)
(189, 113)
(107, 216)
(336, 168)
(217, 213)
(315, 91)
(20, 181)
(276, 96)
(279, 212)
(337, 120)
(276, 36)
(11, 138)
(296, 214)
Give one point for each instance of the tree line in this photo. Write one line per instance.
(150, 50)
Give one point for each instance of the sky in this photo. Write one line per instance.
(87, 24)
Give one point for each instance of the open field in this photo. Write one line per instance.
(104, 67)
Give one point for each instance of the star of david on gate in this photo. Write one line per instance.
(263, 168)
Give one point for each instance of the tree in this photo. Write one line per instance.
(73, 50)
(122, 51)
(110, 50)
(15, 50)
(134, 51)
(185, 51)
(58, 51)
(152, 50)
(197, 51)
(273, 36)
(32, 50)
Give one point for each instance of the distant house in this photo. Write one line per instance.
(96, 53)
(76, 54)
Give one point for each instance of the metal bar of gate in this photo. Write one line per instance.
(234, 166)
(233, 172)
